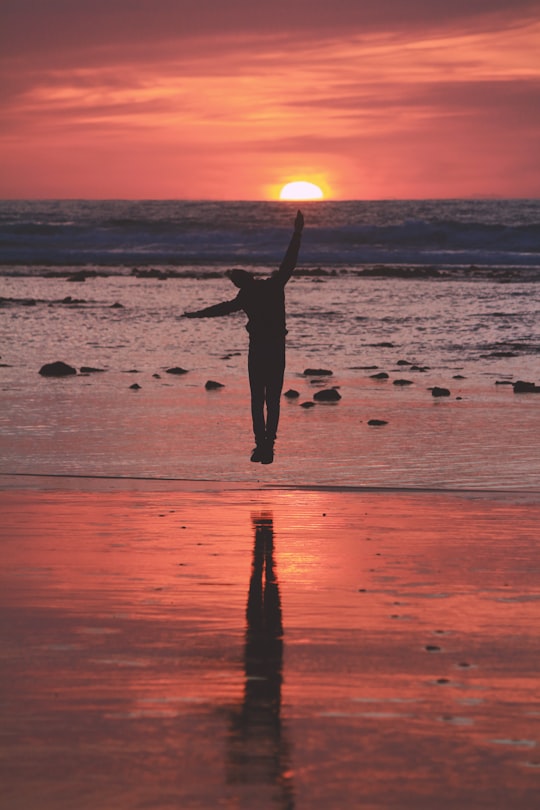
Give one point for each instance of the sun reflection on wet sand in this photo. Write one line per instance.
(238, 647)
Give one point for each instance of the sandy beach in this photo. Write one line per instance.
(200, 645)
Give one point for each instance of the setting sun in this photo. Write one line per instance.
(301, 190)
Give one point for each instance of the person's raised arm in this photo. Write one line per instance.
(288, 264)
(225, 308)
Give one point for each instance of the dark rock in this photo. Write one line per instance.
(381, 375)
(291, 394)
(458, 377)
(404, 363)
(307, 404)
(522, 387)
(57, 369)
(317, 372)
(439, 392)
(419, 368)
(135, 387)
(327, 395)
(117, 305)
(176, 370)
(504, 382)
(212, 385)
(384, 345)
(377, 422)
(403, 382)
(156, 376)
(90, 370)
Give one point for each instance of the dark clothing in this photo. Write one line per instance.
(263, 301)
(266, 368)
(264, 304)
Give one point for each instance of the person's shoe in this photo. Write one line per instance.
(268, 452)
(258, 453)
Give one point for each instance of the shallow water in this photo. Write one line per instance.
(464, 329)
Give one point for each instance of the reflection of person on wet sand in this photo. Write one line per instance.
(263, 301)
(258, 753)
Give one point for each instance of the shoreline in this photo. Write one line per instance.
(38, 481)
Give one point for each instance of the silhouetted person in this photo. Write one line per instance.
(263, 301)
(258, 752)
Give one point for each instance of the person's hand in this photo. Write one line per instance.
(299, 222)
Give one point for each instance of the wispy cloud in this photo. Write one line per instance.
(398, 104)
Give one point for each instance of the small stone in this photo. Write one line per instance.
(522, 387)
(458, 377)
(403, 382)
(440, 392)
(212, 385)
(117, 305)
(156, 376)
(432, 648)
(135, 387)
(307, 404)
(377, 422)
(57, 369)
(291, 394)
(381, 375)
(90, 370)
(317, 372)
(327, 395)
(176, 370)
(404, 363)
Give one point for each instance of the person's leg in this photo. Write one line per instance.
(274, 387)
(257, 388)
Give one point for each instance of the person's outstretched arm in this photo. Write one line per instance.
(216, 310)
(288, 264)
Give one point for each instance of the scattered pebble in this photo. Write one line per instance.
(212, 385)
(377, 422)
(439, 392)
(57, 369)
(135, 387)
(381, 375)
(317, 372)
(176, 370)
(307, 404)
(403, 382)
(327, 395)
(522, 387)
(291, 394)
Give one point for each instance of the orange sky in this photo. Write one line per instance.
(205, 99)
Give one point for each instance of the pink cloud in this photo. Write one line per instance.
(153, 102)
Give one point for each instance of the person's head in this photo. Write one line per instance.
(240, 278)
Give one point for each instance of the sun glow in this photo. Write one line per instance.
(301, 190)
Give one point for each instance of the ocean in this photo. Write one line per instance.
(433, 292)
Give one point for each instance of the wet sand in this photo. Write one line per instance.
(181, 645)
